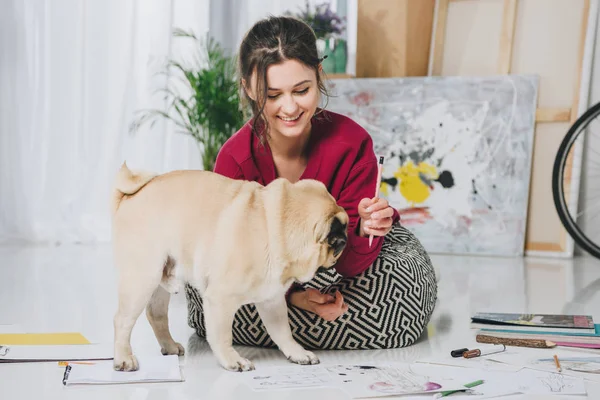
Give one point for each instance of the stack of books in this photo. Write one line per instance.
(563, 330)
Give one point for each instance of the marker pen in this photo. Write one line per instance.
(479, 353)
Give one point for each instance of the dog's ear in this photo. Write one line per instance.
(338, 235)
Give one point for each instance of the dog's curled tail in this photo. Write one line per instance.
(128, 183)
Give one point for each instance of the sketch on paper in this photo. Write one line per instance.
(384, 380)
(538, 382)
(458, 154)
(357, 380)
(578, 364)
(288, 378)
(555, 383)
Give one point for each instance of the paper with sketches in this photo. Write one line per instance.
(380, 380)
(359, 381)
(293, 377)
(496, 383)
(533, 382)
(152, 369)
(589, 365)
(56, 353)
(526, 381)
(575, 363)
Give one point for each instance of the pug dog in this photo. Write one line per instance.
(237, 242)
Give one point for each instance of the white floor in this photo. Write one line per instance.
(71, 288)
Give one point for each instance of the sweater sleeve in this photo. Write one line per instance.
(357, 255)
(226, 165)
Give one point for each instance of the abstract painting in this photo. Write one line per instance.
(458, 153)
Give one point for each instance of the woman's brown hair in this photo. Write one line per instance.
(272, 41)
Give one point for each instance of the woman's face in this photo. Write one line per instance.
(292, 98)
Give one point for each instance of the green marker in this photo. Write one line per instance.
(468, 386)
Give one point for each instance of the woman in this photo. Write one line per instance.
(380, 295)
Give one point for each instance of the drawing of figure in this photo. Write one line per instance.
(554, 382)
(400, 387)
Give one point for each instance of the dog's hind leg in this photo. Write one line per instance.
(139, 278)
(274, 314)
(157, 313)
(219, 312)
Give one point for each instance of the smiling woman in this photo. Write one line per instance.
(380, 295)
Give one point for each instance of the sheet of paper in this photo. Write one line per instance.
(381, 380)
(152, 369)
(576, 363)
(496, 383)
(285, 378)
(486, 363)
(56, 353)
(31, 339)
(534, 382)
(10, 328)
(359, 381)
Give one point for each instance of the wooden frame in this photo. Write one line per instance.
(393, 37)
(564, 246)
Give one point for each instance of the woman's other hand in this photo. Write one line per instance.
(326, 306)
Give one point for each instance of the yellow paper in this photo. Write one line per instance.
(42, 338)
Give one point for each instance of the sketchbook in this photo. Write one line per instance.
(151, 369)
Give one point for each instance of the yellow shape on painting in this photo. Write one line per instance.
(412, 187)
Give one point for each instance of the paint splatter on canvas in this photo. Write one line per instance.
(457, 153)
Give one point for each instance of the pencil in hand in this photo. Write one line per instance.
(379, 170)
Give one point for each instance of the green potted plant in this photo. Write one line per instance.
(210, 108)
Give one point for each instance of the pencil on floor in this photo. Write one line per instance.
(558, 367)
(543, 344)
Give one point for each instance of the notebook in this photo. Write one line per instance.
(151, 369)
(53, 338)
(556, 323)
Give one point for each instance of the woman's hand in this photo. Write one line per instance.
(326, 306)
(375, 217)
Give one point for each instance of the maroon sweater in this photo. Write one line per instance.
(340, 154)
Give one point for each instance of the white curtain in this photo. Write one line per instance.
(72, 73)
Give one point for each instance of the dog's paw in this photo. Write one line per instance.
(304, 357)
(127, 363)
(173, 348)
(239, 365)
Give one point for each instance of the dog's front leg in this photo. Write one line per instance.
(274, 314)
(218, 318)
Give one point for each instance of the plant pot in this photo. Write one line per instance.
(340, 56)
(328, 63)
